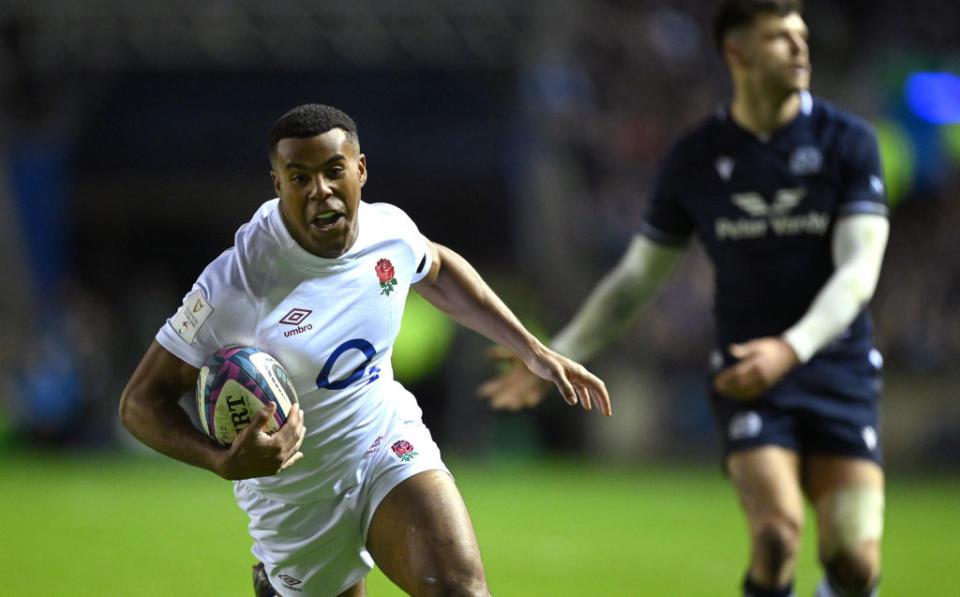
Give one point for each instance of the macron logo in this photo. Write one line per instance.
(296, 317)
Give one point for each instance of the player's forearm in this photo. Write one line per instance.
(461, 293)
(859, 243)
(831, 312)
(619, 297)
(606, 312)
(162, 425)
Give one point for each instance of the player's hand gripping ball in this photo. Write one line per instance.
(235, 383)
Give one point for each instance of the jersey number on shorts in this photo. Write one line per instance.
(323, 380)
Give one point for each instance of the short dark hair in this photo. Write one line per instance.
(733, 14)
(309, 120)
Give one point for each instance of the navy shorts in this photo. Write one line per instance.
(828, 406)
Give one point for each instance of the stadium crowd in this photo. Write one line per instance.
(586, 107)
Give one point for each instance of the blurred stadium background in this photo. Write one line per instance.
(522, 133)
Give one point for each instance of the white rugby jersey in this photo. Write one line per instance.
(330, 322)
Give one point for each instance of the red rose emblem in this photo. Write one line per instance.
(404, 450)
(386, 275)
(384, 270)
(402, 447)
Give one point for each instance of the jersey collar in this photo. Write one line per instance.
(305, 259)
(806, 109)
(806, 103)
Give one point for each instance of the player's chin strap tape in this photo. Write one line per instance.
(858, 244)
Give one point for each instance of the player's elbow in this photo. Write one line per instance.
(128, 407)
(125, 408)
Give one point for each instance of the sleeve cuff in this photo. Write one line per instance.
(658, 236)
(803, 346)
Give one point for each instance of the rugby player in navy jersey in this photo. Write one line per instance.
(785, 193)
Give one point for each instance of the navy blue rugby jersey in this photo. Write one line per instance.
(764, 209)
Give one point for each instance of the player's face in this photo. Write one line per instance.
(318, 180)
(775, 51)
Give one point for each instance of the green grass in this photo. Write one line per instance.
(148, 526)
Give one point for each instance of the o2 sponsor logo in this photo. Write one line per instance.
(360, 373)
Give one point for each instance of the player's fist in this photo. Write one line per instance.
(254, 453)
(763, 362)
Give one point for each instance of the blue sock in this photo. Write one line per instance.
(751, 589)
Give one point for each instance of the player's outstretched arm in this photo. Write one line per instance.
(616, 300)
(455, 287)
(859, 242)
(149, 409)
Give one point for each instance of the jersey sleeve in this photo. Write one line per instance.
(862, 184)
(213, 310)
(422, 255)
(418, 243)
(666, 221)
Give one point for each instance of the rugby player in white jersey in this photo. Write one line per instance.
(318, 279)
(785, 193)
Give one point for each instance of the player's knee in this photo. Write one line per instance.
(854, 572)
(455, 584)
(850, 551)
(776, 543)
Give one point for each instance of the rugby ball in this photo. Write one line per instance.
(235, 383)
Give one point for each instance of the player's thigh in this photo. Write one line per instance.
(314, 548)
(848, 497)
(767, 480)
(421, 532)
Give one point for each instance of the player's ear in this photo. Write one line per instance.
(276, 182)
(734, 55)
(362, 169)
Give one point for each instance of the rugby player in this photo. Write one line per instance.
(785, 193)
(318, 279)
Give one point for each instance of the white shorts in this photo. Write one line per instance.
(319, 548)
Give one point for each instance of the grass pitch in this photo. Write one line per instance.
(144, 526)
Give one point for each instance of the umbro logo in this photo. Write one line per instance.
(290, 582)
(296, 317)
